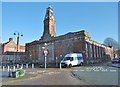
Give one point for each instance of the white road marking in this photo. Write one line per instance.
(81, 70)
(104, 70)
(96, 70)
(113, 70)
(75, 70)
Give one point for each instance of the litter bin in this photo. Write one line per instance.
(15, 74)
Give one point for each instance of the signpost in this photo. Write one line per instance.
(45, 52)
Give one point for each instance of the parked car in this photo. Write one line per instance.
(115, 60)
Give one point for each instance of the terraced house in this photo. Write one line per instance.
(59, 46)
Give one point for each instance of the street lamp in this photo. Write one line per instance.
(84, 56)
(45, 52)
(8, 66)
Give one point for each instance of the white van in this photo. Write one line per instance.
(72, 59)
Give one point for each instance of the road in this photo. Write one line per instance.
(52, 78)
(98, 75)
(80, 75)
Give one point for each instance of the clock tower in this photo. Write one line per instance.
(49, 24)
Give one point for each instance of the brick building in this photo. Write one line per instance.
(12, 52)
(10, 46)
(0, 53)
(59, 46)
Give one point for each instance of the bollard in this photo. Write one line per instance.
(17, 66)
(32, 65)
(56, 62)
(3, 68)
(14, 68)
(8, 68)
(9, 71)
(60, 66)
(22, 66)
(27, 66)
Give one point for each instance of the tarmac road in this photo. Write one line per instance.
(52, 78)
(98, 75)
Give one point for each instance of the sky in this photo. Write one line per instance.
(100, 19)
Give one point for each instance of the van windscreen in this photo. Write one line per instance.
(66, 58)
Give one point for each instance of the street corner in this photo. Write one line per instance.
(11, 80)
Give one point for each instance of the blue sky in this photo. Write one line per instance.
(100, 19)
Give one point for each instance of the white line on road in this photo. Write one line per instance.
(112, 70)
(81, 70)
(96, 70)
(75, 70)
(104, 70)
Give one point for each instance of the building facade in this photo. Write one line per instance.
(10, 46)
(59, 46)
(12, 52)
(0, 53)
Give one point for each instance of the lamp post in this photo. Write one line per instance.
(45, 52)
(8, 66)
(30, 58)
(84, 56)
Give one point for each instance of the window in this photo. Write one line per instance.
(100, 51)
(79, 58)
(90, 50)
(71, 58)
(94, 52)
(97, 51)
(86, 49)
(66, 58)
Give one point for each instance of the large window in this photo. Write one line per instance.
(86, 49)
(94, 52)
(100, 51)
(97, 51)
(91, 50)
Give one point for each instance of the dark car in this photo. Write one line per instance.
(115, 60)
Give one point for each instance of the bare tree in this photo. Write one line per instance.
(111, 42)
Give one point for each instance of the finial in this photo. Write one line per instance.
(50, 6)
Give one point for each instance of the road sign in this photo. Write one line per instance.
(45, 52)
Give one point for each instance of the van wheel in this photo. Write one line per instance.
(81, 63)
(70, 65)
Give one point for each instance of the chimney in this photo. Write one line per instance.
(18, 44)
(10, 39)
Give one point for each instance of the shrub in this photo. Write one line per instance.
(21, 71)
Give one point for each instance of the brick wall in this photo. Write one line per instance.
(10, 46)
(58, 47)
